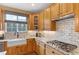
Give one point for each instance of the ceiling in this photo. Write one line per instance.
(36, 7)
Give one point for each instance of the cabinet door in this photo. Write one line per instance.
(37, 47)
(66, 8)
(41, 20)
(47, 19)
(69, 8)
(23, 49)
(12, 51)
(48, 13)
(54, 11)
(63, 9)
(31, 22)
(42, 48)
(31, 45)
(47, 25)
(76, 11)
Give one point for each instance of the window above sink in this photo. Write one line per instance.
(15, 22)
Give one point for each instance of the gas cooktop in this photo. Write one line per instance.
(62, 45)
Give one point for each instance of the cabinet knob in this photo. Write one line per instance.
(53, 52)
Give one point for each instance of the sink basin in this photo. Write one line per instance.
(3, 53)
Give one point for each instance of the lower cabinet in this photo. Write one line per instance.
(37, 50)
(40, 48)
(31, 45)
(17, 50)
(52, 51)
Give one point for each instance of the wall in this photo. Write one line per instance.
(65, 32)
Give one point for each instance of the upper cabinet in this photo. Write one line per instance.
(40, 21)
(70, 8)
(54, 11)
(65, 8)
(62, 9)
(33, 21)
(1, 18)
(47, 20)
(48, 13)
(36, 19)
(76, 11)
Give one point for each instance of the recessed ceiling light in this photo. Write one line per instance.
(33, 4)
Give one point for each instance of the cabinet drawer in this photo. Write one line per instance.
(52, 51)
(41, 50)
(49, 50)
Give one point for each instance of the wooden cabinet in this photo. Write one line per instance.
(70, 8)
(41, 48)
(48, 15)
(47, 20)
(54, 11)
(76, 11)
(22, 49)
(66, 8)
(31, 45)
(31, 22)
(37, 47)
(11, 51)
(63, 9)
(52, 51)
(53, 25)
(17, 50)
(1, 18)
(41, 20)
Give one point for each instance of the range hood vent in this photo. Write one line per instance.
(65, 17)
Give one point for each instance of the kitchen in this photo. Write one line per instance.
(39, 29)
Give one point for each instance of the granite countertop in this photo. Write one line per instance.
(74, 52)
(42, 39)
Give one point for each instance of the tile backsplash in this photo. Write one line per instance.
(65, 32)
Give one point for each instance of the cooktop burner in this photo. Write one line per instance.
(62, 45)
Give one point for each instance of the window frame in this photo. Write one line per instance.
(17, 22)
